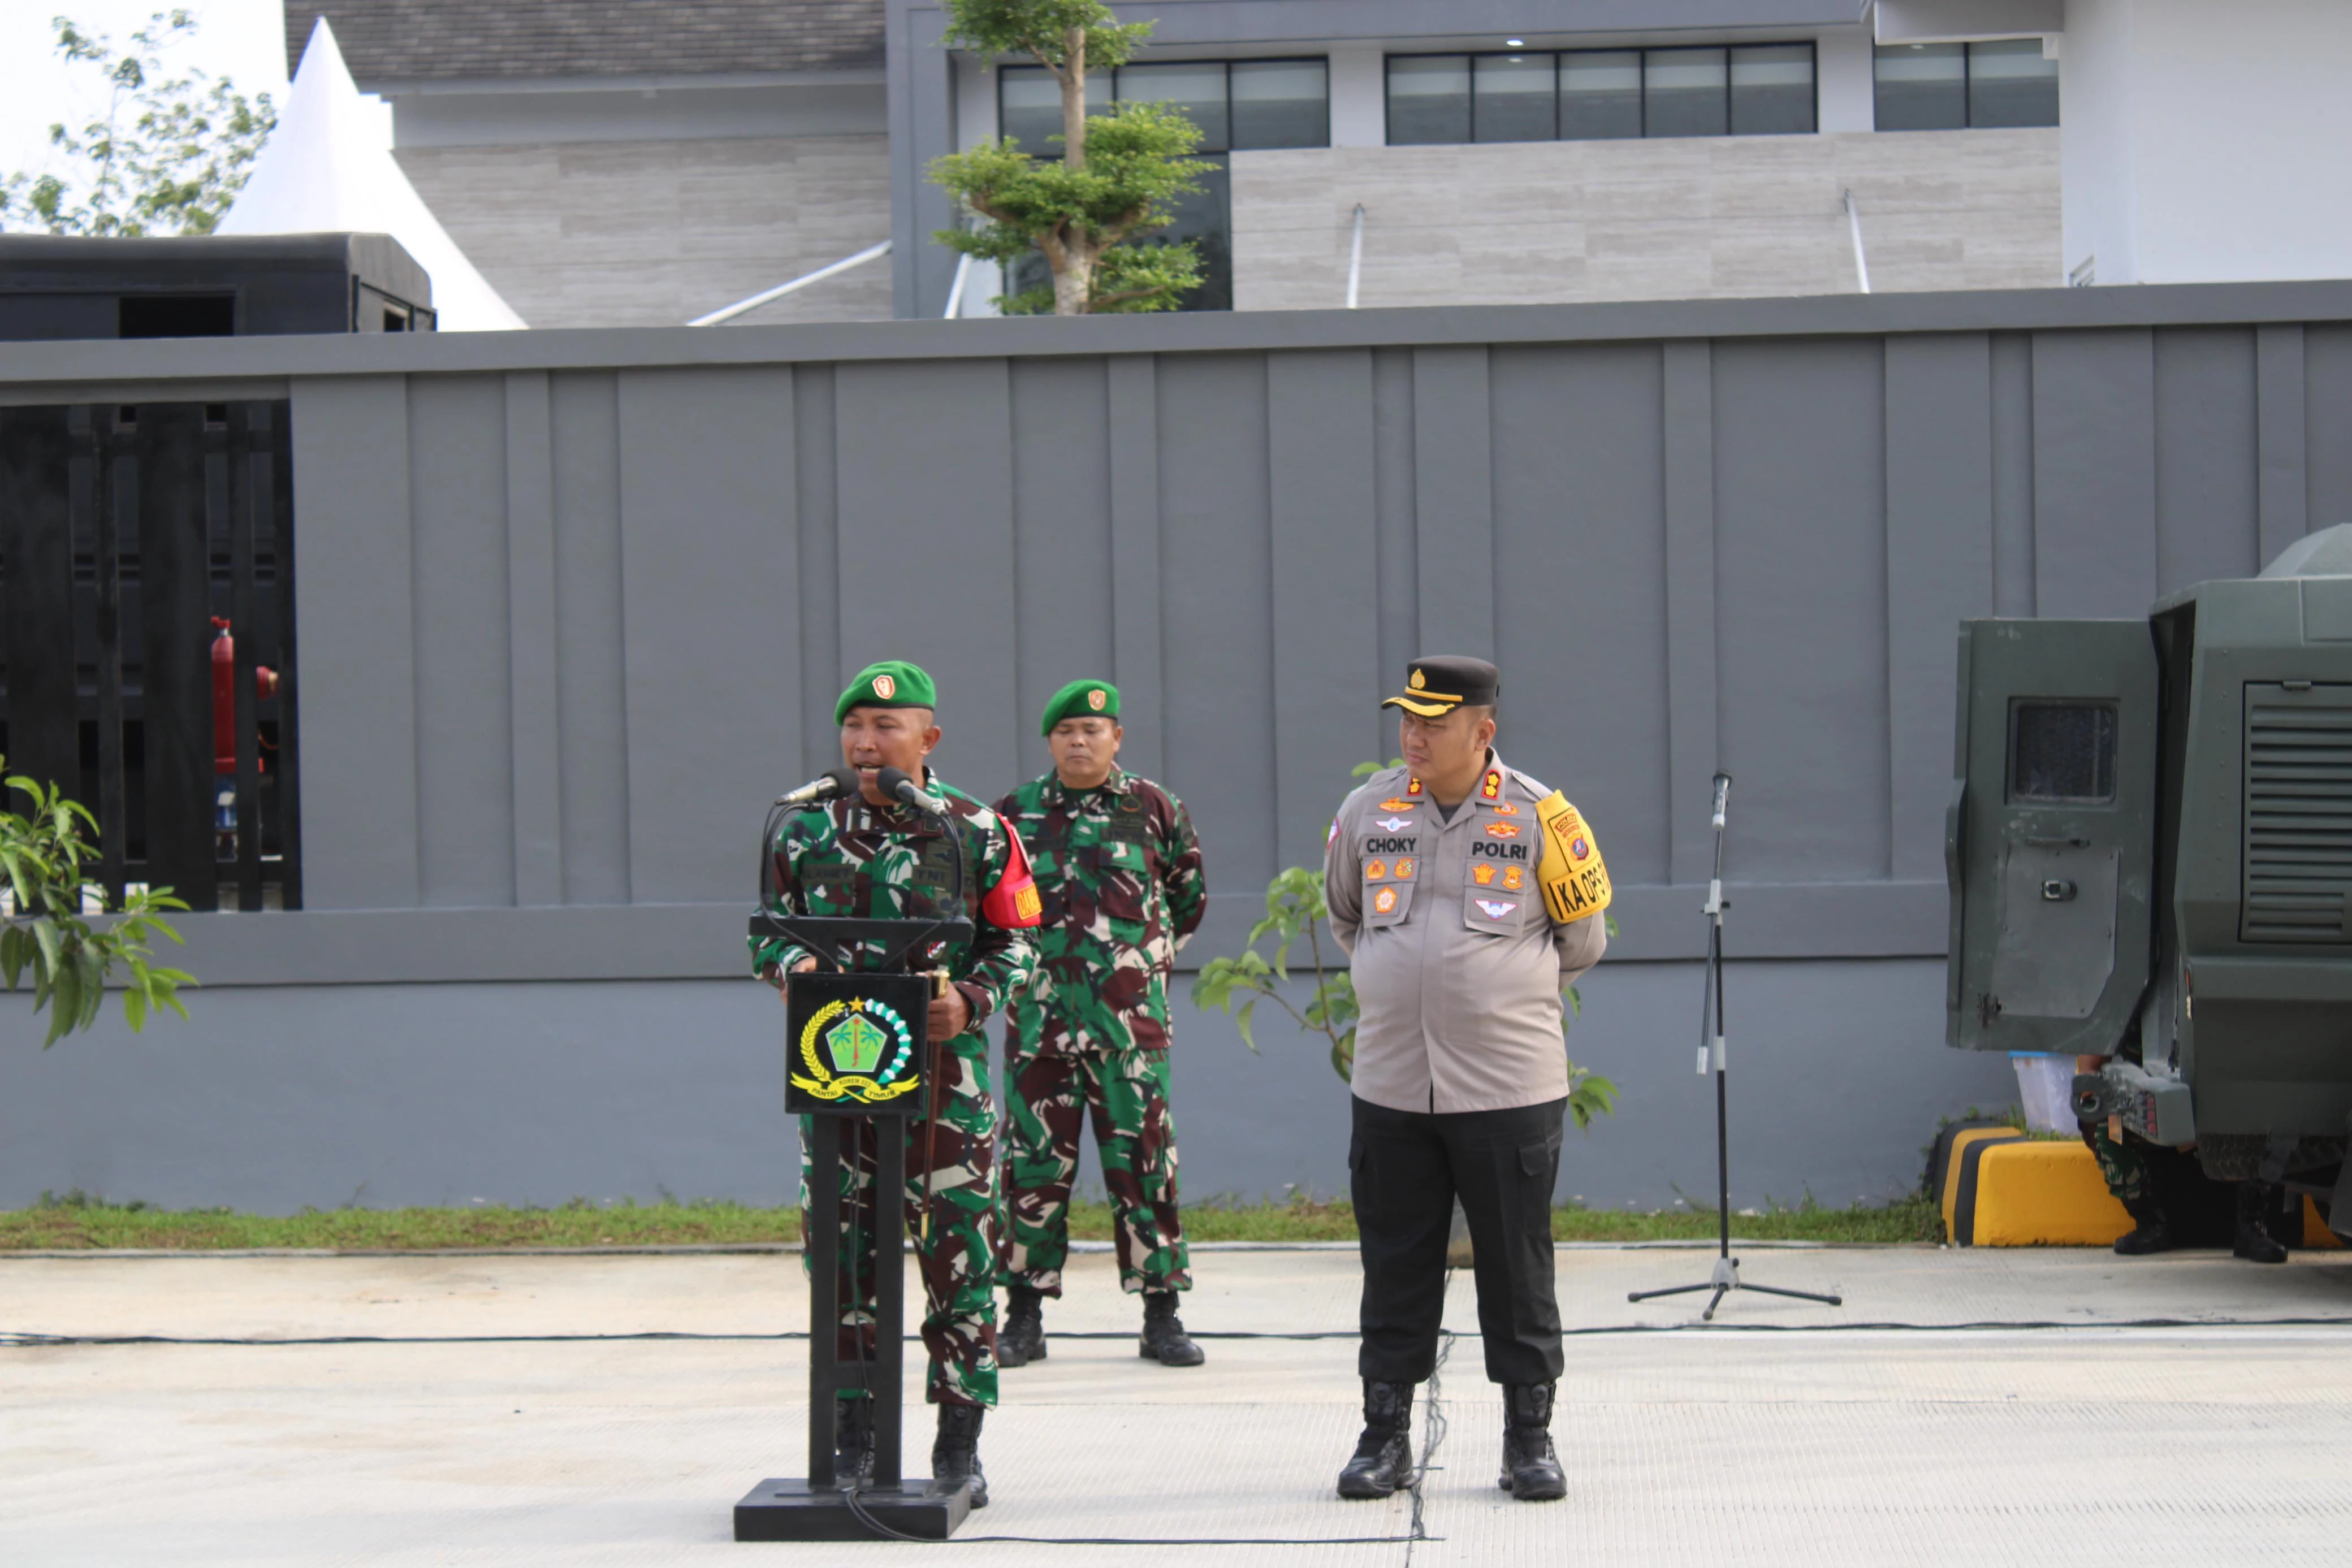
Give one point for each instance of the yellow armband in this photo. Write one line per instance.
(1575, 881)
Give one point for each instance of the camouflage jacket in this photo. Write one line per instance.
(847, 858)
(1118, 871)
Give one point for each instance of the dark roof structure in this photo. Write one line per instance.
(441, 40)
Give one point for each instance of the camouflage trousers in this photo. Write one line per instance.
(2123, 1166)
(951, 1175)
(1127, 1094)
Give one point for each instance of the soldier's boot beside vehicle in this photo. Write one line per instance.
(1383, 1460)
(955, 1453)
(1164, 1339)
(853, 1442)
(2150, 1232)
(1022, 1340)
(1531, 1471)
(2254, 1242)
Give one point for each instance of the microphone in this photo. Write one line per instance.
(899, 784)
(823, 787)
(1722, 797)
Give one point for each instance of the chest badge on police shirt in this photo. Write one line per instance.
(1393, 824)
(1482, 874)
(1495, 908)
(1385, 901)
(1502, 829)
(1376, 871)
(1393, 803)
(1404, 870)
(1505, 808)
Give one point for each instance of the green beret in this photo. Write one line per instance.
(893, 683)
(1081, 699)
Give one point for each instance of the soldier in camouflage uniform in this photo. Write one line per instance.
(1119, 870)
(869, 856)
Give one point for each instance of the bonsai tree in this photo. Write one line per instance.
(1088, 213)
(45, 927)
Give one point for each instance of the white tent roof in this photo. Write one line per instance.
(325, 169)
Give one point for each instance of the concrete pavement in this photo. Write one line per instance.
(474, 1409)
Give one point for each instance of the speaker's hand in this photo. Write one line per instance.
(950, 1015)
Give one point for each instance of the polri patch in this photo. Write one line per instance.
(1385, 901)
(1502, 829)
(1376, 871)
(1394, 803)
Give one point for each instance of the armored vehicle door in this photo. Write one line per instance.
(2050, 836)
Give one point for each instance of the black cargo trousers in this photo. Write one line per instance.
(1404, 1170)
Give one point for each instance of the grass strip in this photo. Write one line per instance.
(76, 1221)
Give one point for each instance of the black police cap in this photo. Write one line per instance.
(1435, 687)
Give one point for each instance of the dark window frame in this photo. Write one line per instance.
(2106, 742)
(1227, 65)
(1968, 89)
(1643, 51)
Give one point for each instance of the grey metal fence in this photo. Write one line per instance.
(575, 605)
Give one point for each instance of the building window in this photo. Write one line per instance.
(1238, 105)
(1954, 87)
(1599, 95)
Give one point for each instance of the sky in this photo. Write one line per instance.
(241, 39)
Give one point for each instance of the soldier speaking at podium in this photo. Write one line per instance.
(1466, 895)
(869, 855)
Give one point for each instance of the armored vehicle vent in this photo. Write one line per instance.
(2298, 852)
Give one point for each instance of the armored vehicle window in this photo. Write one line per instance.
(2062, 752)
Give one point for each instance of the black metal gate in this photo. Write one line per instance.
(131, 538)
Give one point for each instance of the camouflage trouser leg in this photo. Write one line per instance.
(2124, 1170)
(1126, 1093)
(954, 1178)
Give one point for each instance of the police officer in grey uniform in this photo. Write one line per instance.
(1446, 889)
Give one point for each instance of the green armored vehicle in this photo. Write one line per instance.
(2149, 847)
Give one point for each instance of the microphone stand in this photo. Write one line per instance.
(1726, 1277)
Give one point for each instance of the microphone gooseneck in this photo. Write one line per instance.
(896, 783)
(823, 787)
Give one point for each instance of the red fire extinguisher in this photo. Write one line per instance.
(264, 686)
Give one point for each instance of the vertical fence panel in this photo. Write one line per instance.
(1061, 547)
(358, 639)
(533, 652)
(36, 600)
(818, 563)
(1940, 569)
(1800, 496)
(465, 750)
(592, 691)
(1581, 587)
(175, 655)
(2094, 472)
(2207, 505)
(1322, 546)
(707, 622)
(1218, 566)
(927, 547)
(1454, 500)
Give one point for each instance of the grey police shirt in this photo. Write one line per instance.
(1458, 965)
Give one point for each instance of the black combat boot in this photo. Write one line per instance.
(1164, 1339)
(1530, 1468)
(955, 1453)
(1022, 1340)
(2151, 1231)
(2254, 1242)
(1383, 1460)
(853, 1443)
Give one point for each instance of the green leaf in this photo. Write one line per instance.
(15, 952)
(1242, 1018)
(135, 1009)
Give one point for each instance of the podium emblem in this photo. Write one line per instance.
(855, 1052)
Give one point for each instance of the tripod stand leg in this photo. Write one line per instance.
(1709, 1316)
(1795, 1295)
(1669, 1290)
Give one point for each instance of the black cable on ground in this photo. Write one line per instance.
(29, 1340)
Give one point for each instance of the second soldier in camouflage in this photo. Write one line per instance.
(1119, 869)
